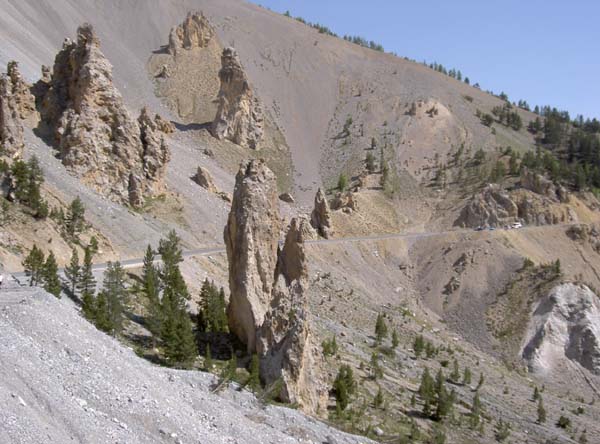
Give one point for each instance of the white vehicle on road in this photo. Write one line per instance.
(517, 225)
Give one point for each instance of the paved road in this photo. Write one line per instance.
(20, 276)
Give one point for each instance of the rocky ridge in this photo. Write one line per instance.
(194, 32)
(96, 137)
(239, 116)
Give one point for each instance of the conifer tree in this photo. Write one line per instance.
(541, 411)
(73, 270)
(378, 400)
(151, 291)
(208, 362)
(395, 339)
(87, 285)
(381, 329)
(427, 391)
(467, 376)
(115, 295)
(343, 387)
(176, 328)
(34, 265)
(254, 378)
(475, 414)
(50, 276)
(419, 345)
(75, 218)
(536, 393)
(455, 375)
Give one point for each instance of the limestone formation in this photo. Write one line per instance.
(268, 302)
(345, 202)
(492, 207)
(156, 153)
(205, 180)
(11, 127)
(564, 326)
(539, 184)
(194, 32)
(239, 116)
(284, 342)
(20, 90)
(88, 123)
(251, 238)
(321, 215)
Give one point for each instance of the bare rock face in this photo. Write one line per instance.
(284, 341)
(239, 116)
(345, 202)
(156, 153)
(20, 90)
(251, 239)
(97, 138)
(541, 185)
(194, 32)
(205, 180)
(11, 127)
(492, 206)
(565, 325)
(321, 215)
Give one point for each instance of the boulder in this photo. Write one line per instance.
(251, 239)
(344, 201)
(194, 32)
(286, 197)
(492, 207)
(321, 215)
(239, 116)
(205, 180)
(95, 135)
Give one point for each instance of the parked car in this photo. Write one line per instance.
(517, 225)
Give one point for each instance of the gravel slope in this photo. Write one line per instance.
(61, 380)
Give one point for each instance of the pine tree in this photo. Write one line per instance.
(376, 370)
(34, 265)
(344, 387)
(208, 362)
(541, 411)
(151, 291)
(381, 329)
(73, 270)
(50, 276)
(455, 375)
(75, 218)
(176, 329)
(115, 295)
(395, 339)
(378, 400)
(87, 286)
(467, 376)
(475, 414)
(536, 393)
(481, 381)
(427, 391)
(419, 345)
(254, 378)
(443, 399)
(342, 182)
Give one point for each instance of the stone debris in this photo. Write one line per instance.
(321, 215)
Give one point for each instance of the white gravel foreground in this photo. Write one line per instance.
(63, 381)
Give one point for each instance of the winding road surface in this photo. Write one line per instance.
(21, 276)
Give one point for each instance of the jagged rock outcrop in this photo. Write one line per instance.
(539, 184)
(239, 116)
(16, 103)
(535, 209)
(194, 32)
(156, 154)
(583, 233)
(11, 127)
(251, 239)
(284, 341)
(492, 206)
(565, 325)
(268, 302)
(345, 202)
(20, 90)
(321, 215)
(97, 138)
(205, 180)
